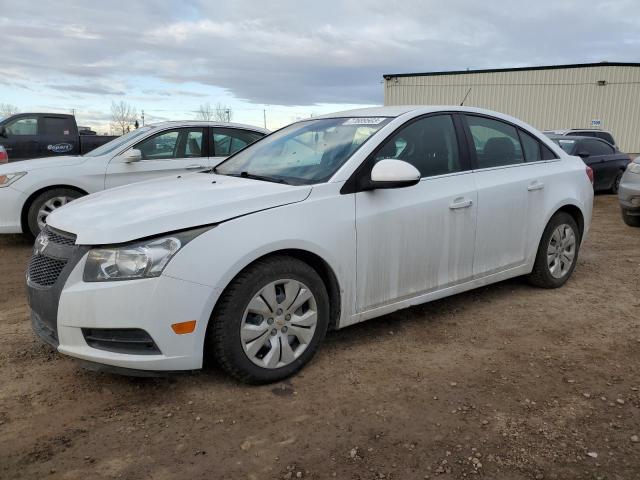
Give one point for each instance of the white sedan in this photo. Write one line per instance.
(325, 223)
(31, 189)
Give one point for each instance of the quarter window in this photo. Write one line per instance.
(23, 126)
(531, 147)
(496, 143)
(429, 144)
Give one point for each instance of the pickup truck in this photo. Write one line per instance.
(35, 135)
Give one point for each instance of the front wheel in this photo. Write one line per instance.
(44, 204)
(631, 220)
(557, 253)
(270, 320)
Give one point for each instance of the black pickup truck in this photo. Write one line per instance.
(34, 135)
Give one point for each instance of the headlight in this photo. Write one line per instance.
(634, 167)
(144, 259)
(8, 178)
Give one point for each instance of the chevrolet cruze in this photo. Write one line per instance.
(325, 223)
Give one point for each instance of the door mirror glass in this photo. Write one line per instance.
(392, 173)
(131, 155)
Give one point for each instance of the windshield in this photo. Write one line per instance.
(116, 143)
(303, 153)
(566, 145)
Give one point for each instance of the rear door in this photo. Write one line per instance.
(602, 158)
(170, 152)
(58, 136)
(225, 141)
(510, 192)
(22, 137)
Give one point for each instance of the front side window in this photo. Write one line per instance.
(429, 144)
(227, 141)
(496, 143)
(595, 147)
(170, 144)
(304, 153)
(23, 126)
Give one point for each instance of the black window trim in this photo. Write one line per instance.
(358, 179)
(472, 148)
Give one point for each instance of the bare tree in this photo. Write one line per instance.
(6, 109)
(205, 112)
(222, 113)
(123, 115)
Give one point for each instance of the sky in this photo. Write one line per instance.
(290, 59)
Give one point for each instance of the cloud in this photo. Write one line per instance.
(299, 53)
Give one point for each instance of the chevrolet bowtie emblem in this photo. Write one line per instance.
(41, 244)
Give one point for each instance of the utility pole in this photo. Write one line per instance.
(73, 112)
(228, 115)
(264, 115)
(142, 115)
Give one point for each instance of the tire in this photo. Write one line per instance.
(44, 204)
(631, 220)
(250, 304)
(615, 186)
(542, 274)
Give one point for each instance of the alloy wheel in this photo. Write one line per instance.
(49, 206)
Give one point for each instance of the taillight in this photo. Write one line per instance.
(590, 174)
(4, 158)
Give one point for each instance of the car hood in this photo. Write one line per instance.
(37, 163)
(157, 206)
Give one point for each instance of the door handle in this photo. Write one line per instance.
(194, 167)
(460, 203)
(535, 186)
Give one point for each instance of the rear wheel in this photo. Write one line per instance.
(616, 182)
(44, 204)
(557, 253)
(631, 220)
(269, 321)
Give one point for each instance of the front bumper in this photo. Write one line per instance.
(11, 203)
(61, 312)
(629, 192)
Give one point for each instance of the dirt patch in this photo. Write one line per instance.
(504, 382)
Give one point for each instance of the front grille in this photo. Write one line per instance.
(58, 237)
(44, 271)
(133, 341)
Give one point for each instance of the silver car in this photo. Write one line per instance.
(629, 194)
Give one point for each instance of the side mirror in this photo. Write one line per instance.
(130, 156)
(583, 154)
(392, 173)
(3, 132)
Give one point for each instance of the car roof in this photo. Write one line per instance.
(566, 131)
(204, 123)
(399, 110)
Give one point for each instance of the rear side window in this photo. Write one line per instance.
(547, 153)
(496, 143)
(227, 141)
(531, 147)
(607, 137)
(429, 144)
(56, 126)
(595, 147)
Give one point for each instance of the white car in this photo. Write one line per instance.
(31, 189)
(322, 224)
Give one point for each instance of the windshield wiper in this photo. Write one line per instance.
(264, 178)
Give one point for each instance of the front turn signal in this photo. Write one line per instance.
(184, 327)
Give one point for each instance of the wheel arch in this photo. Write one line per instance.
(322, 268)
(27, 204)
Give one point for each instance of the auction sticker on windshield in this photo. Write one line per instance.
(365, 121)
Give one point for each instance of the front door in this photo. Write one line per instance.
(22, 140)
(417, 239)
(170, 152)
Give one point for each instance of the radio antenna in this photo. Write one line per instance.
(465, 97)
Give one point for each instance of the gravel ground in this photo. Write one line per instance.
(504, 382)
